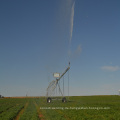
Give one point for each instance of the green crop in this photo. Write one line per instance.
(77, 108)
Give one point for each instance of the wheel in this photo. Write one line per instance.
(49, 100)
(64, 99)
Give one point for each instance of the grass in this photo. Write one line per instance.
(78, 108)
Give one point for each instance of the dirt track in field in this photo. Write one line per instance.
(40, 115)
(21, 112)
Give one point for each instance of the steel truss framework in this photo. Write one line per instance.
(53, 85)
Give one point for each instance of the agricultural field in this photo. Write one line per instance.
(76, 108)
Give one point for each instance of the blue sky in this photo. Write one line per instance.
(38, 38)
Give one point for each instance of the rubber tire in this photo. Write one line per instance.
(49, 100)
(64, 99)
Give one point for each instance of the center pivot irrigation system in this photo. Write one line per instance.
(53, 85)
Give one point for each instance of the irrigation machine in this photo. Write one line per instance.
(55, 85)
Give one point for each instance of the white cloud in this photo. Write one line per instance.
(71, 21)
(75, 53)
(78, 50)
(110, 68)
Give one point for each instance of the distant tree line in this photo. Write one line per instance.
(1, 96)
